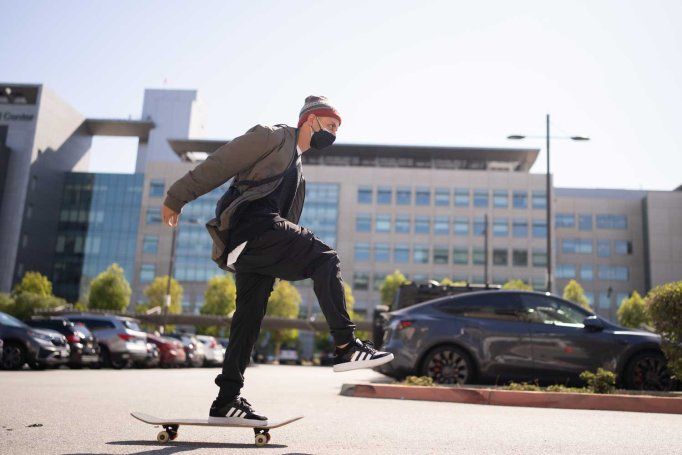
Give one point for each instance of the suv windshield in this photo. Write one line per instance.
(132, 325)
(6, 319)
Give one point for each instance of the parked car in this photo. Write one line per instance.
(288, 355)
(120, 338)
(194, 349)
(152, 359)
(171, 351)
(1, 347)
(24, 344)
(494, 336)
(83, 344)
(213, 351)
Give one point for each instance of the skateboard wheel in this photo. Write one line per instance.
(163, 437)
(261, 439)
(267, 435)
(173, 436)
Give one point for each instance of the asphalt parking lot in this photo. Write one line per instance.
(87, 412)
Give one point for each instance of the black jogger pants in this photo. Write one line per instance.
(289, 252)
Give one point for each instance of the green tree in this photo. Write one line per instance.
(284, 302)
(574, 292)
(633, 312)
(156, 294)
(110, 290)
(6, 303)
(34, 283)
(448, 282)
(219, 299)
(515, 283)
(27, 303)
(664, 304)
(389, 287)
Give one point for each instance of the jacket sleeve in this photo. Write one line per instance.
(220, 166)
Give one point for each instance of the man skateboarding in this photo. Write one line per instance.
(256, 236)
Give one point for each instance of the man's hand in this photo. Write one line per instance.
(170, 218)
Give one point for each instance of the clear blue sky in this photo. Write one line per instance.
(438, 72)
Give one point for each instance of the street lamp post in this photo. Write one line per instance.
(171, 262)
(547, 191)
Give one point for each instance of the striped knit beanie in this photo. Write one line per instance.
(318, 105)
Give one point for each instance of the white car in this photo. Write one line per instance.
(215, 353)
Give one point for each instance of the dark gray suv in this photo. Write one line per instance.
(497, 336)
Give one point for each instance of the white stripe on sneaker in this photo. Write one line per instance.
(355, 356)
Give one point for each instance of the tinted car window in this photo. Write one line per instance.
(132, 325)
(94, 324)
(547, 310)
(499, 306)
(6, 319)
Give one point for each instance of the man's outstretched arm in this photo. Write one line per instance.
(220, 166)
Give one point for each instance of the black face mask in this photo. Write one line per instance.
(321, 139)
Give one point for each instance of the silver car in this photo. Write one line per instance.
(213, 350)
(122, 341)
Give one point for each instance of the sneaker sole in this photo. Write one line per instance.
(347, 366)
(237, 421)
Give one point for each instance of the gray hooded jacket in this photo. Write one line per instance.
(257, 160)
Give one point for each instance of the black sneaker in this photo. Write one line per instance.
(359, 354)
(235, 412)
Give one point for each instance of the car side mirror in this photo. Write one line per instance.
(593, 324)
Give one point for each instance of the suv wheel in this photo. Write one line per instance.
(112, 361)
(13, 356)
(448, 365)
(648, 371)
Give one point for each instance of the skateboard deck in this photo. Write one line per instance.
(170, 431)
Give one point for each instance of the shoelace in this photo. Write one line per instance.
(245, 403)
(371, 347)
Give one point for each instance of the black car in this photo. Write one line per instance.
(84, 346)
(27, 345)
(495, 336)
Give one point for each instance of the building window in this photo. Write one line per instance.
(538, 283)
(443, 196)
(566, 271)
(622, 247)
(401, 253)
(460, 255)
(440, 254)
(461, 225)
(539, 228)
(539, 199)
(461, 197)
(150, 244)
(377, 280)
(501, 198)
(384, 195)
(381, 252)
(604, 300)
(520, 228)
(479, 226)
(365, 195)
(362, 252)
(153, 215)
(500, 256)
(421, 254)
(403, 196)
(147, 273)
(539, 258)
(478, 256)
(564, 220)
(363, 222)
(590, 298)
(361, 281)
(586, 272)
(520, 199)
(576, 246)
(480, 198)
(402, 224)
(520, 258)
(441, 225)
(585, 221)
(423, 196)
(603, 248)
(612, 222)
(382, 223)
(613, 273)
(422, 224)
(501, 227)
(620, 297)
(156, 188)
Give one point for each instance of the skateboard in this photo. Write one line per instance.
(170, 426)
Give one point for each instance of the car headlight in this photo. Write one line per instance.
(41, 339)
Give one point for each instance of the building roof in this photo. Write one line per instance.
(514, 159)
(119, 127)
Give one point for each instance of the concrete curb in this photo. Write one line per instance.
(631, 403)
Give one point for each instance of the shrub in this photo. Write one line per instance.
(603, 381)
(523, 386)
(419, 380)
(632, 312)
(664, 305)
